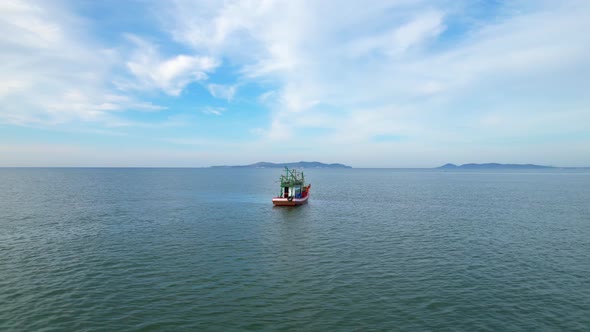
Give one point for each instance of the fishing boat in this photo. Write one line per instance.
(293, 189)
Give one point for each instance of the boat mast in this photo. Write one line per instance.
(292, 180)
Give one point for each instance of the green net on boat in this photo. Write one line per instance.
(292, 178)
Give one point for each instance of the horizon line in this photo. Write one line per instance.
(246, 166)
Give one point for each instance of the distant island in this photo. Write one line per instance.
(301, 164)
(494, 166)
(449, 166)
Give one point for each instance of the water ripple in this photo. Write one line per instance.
(145, 250)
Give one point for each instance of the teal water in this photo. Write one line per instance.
(204, 250)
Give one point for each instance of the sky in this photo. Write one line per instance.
(398, 83)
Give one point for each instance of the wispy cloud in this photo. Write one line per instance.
(54, 73)
(42, 64)
(152, 71)
(221, 91)
(356, 66)
(213, 110)
(447, 76)
(418, 30)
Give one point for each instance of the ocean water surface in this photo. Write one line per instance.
(205, 250)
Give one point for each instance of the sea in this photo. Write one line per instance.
(163, 249)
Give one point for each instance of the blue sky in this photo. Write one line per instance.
(403, 83)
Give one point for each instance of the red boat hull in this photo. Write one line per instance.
(280, 201)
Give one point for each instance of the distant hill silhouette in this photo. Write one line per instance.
(301, 164)
(494, 166)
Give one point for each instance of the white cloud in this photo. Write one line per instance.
(302, 47)
(220, 91)
(52, 72)
(213, 110)
(340, 73)
(267, 96)
(354, 67)
(172, 75)
(423, 27)
(419, 30)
